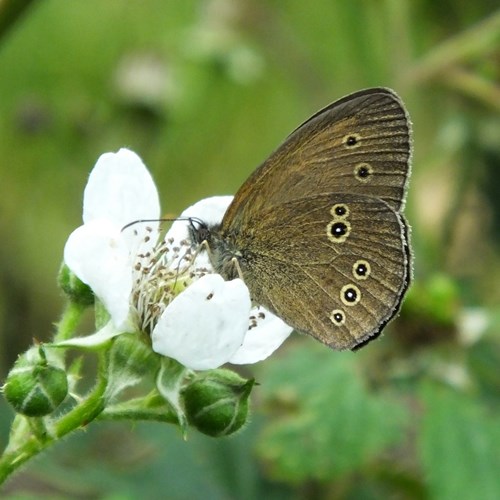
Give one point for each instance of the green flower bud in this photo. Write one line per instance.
(216, 402)
(76, 290)
(34, 387)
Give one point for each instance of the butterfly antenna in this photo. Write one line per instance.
(163, 219)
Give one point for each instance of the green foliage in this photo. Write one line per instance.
(459, 445)
(333, 425)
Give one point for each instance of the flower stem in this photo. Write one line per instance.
(33, 442)
(69, 321)
(38, 428)
(82, 414)
(11, 461)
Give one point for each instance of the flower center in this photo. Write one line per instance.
(160, 274)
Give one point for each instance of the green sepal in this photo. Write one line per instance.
(130, 360)
(152, 407)
(169, 381)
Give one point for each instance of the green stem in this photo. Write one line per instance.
(69, 321)
(82, 414)
(38, 428)
(10, 462)
(33, 444)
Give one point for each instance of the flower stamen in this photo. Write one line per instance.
(160, 274)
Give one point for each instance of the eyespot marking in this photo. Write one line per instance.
(351, 141)
(338, 230)
(340, 211)
(363, 172)
(350, 295)
(337, 317)
(361, 269)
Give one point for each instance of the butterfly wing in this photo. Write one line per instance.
(334, 265)
(360, 144)
(317, 228)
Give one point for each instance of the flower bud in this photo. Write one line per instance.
(216, 402)
(35, 387)
(76, 290)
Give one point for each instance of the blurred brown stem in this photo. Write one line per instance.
(10, 12)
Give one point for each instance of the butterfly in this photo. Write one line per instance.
(317, 231)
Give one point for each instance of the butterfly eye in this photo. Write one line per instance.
(340, 210)
(337, 317)
(361, 269)
(351, 140)
(363, 171)
(338, 231)
(350, 295)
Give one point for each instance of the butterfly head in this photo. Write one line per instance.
(199, 231)
(221, 249)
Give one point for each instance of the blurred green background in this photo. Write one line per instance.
(203, 90)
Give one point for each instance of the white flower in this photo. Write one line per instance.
(162, 285)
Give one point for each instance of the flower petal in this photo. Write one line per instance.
(98, 254)
(205, 325)
(120, 189)
(262, 340)
(210, 211)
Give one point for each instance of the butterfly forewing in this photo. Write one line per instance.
(359, 144)
(317, 229)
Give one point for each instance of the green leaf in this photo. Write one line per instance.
(459, 446)
(330, 424)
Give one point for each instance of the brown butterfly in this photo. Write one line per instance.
(317, 231)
